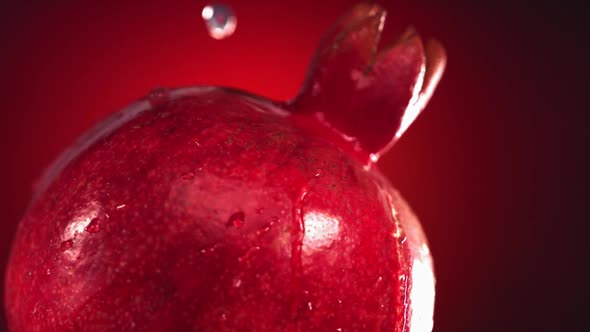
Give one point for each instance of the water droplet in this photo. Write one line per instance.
(119, 207)
(93, 226)
(198, 165)
(188, 176)
(66, 245)
(297, 234)
(159, 96)
(374, 157)
(264, 230)
(48, 272)
(237, 282)
(208, 251)
(220, 20)
(309, 306)
(248, 254)
(236, 220)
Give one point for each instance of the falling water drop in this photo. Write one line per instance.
(220, 20)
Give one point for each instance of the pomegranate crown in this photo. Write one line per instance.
(369, 97)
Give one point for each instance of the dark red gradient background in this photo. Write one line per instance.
(495, 166)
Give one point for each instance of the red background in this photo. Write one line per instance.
(494, 167)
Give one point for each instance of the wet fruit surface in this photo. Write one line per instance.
(257, 237)
(208, 209)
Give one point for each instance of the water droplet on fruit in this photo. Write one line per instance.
(397, 233)
(199, 165)
(297, 234)
(374, 157)
(93, 226)
(66, 245)
(208, 251)
(309, 306)
(248, 254)
(188, 176)
(159, 96)
(220, 20)
(264, 230)
(237, 282)
(236, 220)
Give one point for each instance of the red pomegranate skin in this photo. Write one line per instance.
(208, 209)
(210, 213)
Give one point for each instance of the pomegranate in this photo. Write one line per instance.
(210, 209)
